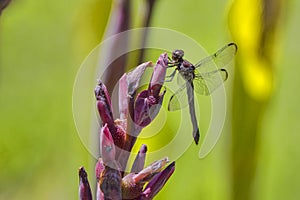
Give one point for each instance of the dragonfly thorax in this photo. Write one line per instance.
(186, 72)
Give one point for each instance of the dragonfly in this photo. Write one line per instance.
(203, 78)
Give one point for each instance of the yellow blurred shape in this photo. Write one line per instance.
(245, 20)
(257, 79)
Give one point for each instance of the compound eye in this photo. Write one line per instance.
(177, 54)
(174, 56)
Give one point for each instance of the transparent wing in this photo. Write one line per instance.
(218, 60)
(179, 99)
(206, 83)
(180, 80)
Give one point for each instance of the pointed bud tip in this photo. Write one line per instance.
(84, 186)
(143, 148)
(139, 161)
(158, 76)
(103, 103)
(163, 60)
(82, 173)
(107, 146)
(158, 181)
(99, 89)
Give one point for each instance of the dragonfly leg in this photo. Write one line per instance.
(172, 63)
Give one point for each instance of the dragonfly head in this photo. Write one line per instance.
(177, 55)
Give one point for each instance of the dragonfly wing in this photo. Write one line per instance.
(218, 60)
(180, 80)
(206, 83)
(179, 99)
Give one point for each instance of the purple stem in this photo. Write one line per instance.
(119, 22)
(146, 23)
(150, 5)
(3, 4)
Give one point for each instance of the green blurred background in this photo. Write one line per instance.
(42, 44)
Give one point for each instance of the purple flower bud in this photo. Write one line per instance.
(158, 76)
(105, 111)
(84, 186)
(99, 168)
(132, 184)
(146, 108)
(119, 135)
(107, 146)
(158, 181)
(110, 182)
(104, 104)
(148, 102)
(147, 173)
(139, 161)
(134, 77)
